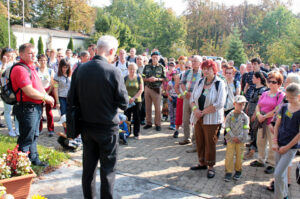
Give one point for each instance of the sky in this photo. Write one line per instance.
(179, 6)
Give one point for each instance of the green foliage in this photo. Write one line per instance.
(40, 46)
(70, 44)
(31, 41)
(52, 156)
(149, 25)
(235, 51)
(4, 34)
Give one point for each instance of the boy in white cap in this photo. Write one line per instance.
(123, 129)
(67, 144)
(237, 128)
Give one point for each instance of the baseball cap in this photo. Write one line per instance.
(171, 63)
(155, 53)
(240, 99)
(122, 117)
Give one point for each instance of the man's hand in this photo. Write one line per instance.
(283, 149)
(188, 95)
(152, 79)
(49, 100)
(131, 100)
(275, 147)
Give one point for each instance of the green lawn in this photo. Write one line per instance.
(52, 156)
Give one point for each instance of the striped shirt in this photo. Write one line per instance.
(213, 97)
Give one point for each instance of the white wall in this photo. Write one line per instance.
(56, 42)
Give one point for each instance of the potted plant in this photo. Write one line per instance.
(15, 173)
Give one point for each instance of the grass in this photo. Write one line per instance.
(52, 156)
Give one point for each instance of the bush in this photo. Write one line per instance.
(4, 34)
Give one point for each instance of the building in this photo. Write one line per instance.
(51, 38)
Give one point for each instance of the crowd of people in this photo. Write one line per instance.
(256, 104)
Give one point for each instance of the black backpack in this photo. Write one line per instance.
(8, 95)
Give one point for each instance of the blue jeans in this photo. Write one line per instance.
(7, 117)
(63, 105)
(29, 116)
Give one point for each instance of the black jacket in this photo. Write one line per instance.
(99, 90)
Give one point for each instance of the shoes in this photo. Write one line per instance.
(175, 135)
(40, 163)
(198, 167)
(249, 155)
(78, 141)
(73, 144)
(2, 125)
(298, 153)
(248, 144)
(165, 118)
(158, 128)
(193, 150)
(237, 175)
(184, 142)
(12, 133)
(136, 137)
(225, 142)
(147, 126)
(50, 133)
(227, 177)
(257, 164)
(143, 122)
(210, 173)
(172, 127)
(269, 170)
(2, 113)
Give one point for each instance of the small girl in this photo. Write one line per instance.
(172, 99)
(286, 137)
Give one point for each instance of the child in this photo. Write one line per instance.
(237, 128)
(172, 99)
(123, 129)
(67, 144)
(286, 137)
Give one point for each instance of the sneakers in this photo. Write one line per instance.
(73, 144)
(147, 126)
(184, 142)
(136, 137)
(50, 133)
(12, 133)
(269, 170)
(257, 164)
(175, 135)
(227, 177)
(237, 175)
(172, 127)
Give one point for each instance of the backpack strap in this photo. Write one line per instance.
(28, 70)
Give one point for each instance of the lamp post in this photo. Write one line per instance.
(8, 22)
(23, 23)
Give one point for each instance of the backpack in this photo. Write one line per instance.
(118, 63)
(8, 95)
(217, 83)
(138, 78)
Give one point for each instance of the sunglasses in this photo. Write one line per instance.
(272, 82)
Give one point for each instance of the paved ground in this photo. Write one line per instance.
(158, 157)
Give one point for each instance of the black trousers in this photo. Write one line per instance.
(135, 111)
(97, 145)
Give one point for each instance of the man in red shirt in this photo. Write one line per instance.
(30, 96)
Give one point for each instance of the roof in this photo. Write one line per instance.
(52, 32)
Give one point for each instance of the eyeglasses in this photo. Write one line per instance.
(228, 73)
(272, 82)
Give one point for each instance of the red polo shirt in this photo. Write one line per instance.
(21, 78)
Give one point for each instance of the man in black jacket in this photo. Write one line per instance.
(99, 90)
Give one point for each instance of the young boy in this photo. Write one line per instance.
(237, 128)
(67, 144)
(123, 129)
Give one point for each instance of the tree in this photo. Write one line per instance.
(40, 46)
(235, 51)
(4, 34)
(70, 44)
(31, 41)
